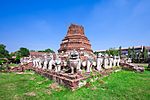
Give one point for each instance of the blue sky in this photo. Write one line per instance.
(41, 24)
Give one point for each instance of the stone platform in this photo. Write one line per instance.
(68, 80)
(72, 81)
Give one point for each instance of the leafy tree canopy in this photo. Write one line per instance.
(24, 52)
(3, 52)
(120, 51)
(129, 52)
(112, 51)
(47, 50)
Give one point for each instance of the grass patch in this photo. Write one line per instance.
(121, 85)
(13, 65)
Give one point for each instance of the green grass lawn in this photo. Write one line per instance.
(122, 85)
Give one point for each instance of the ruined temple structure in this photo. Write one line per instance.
(75, 39)
(73, 65)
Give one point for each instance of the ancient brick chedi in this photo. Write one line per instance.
(75, 39)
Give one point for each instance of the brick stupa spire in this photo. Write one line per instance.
(75, 39)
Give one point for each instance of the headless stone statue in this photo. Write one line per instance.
(115, 61)
(89, 66)
(58, 64)
(34, 63)
(51, 62)
(37, 63)
(45, 61)
(45, 64)
(118, 61)
(41, 62)
(106, 62)
(129, 60)
(110, 61)
(99, 62)
(21, 60)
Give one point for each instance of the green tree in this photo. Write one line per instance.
(112, 51)
(32, 51)
(129, 52)
(120, 51)
(3, 52)
(49, 50)
(145, 55)
(139, 57)
(108, 52)
(24, 52)
(96, 53)
(2, 60)
(17, 59)
(133, 54)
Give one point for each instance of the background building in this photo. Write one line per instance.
(137, 53)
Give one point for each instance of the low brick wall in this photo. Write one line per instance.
(72, 81)
(133, 67)
(69, 80)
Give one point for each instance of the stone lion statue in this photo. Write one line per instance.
(74, 61)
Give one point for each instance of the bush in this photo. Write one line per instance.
(2, 61)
